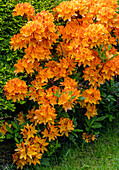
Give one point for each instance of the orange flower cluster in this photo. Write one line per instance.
(15, 89)
(69, 94)
(28, 66)
(112, 20)
(51, 132)
(45, 114)
(98, 72)
(3, 129)
(39, 34)
(84, 40)
(18, 42)
(24, 9)
(31, 150)
(92, 97)
(65, 126)
(20, 118)
(67, 10)
(91, 110)
(88, 138)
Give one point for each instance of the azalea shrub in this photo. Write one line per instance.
(69, 53)
(10, 26)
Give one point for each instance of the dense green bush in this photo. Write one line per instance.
(109, 104)
(8, 27)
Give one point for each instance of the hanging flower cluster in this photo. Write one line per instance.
(24, 9)
(15, 89)
(65, 126)
(31, 149)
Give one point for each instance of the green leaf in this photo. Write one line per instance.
(74, 134)
(16, 140)
(109, 47)
(9, 129)
(81, 98)
(78, 130)
(73, 97)
(97, 125)
(9, 136)
(16, 134)
(14, 125)
(21, 140)
(19, 136)
(101, 118)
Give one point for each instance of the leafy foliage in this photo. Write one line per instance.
(54, 58)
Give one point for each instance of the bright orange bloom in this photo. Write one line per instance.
(88, 138)
(28, 131)
(26, 65)
(91, 111)
(28, 152)
(3, 129)
(50, 95)
(20, 118)
(24, 9)
(18, 42)
(69, 94)
(51, 132)
(67, 10)
(91, 95)
(36, 51)
(45, 114)
(41, 142)
(15, 89)
(65, 126)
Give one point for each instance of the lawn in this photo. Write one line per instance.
(102, 154)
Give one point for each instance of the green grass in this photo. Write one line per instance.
(102, 154)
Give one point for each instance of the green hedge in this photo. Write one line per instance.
(8, 27)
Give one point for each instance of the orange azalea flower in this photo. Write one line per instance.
(36, 51)
(91, 111)
(91, 96)
(44, 75)
(41, 142)
(65, 126)
(67, 10)
(28, 131)
(3, 129)
(28, 152)
(15, 89)
(51, 132)
(93, 138)
(95, 34)
(38, 95)
(50, 95)
(45, 114)
(18, 42)
(26, 65)
(106, 11)
(88, 138)
(42, 29)
(20, 118)
(24, 9)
